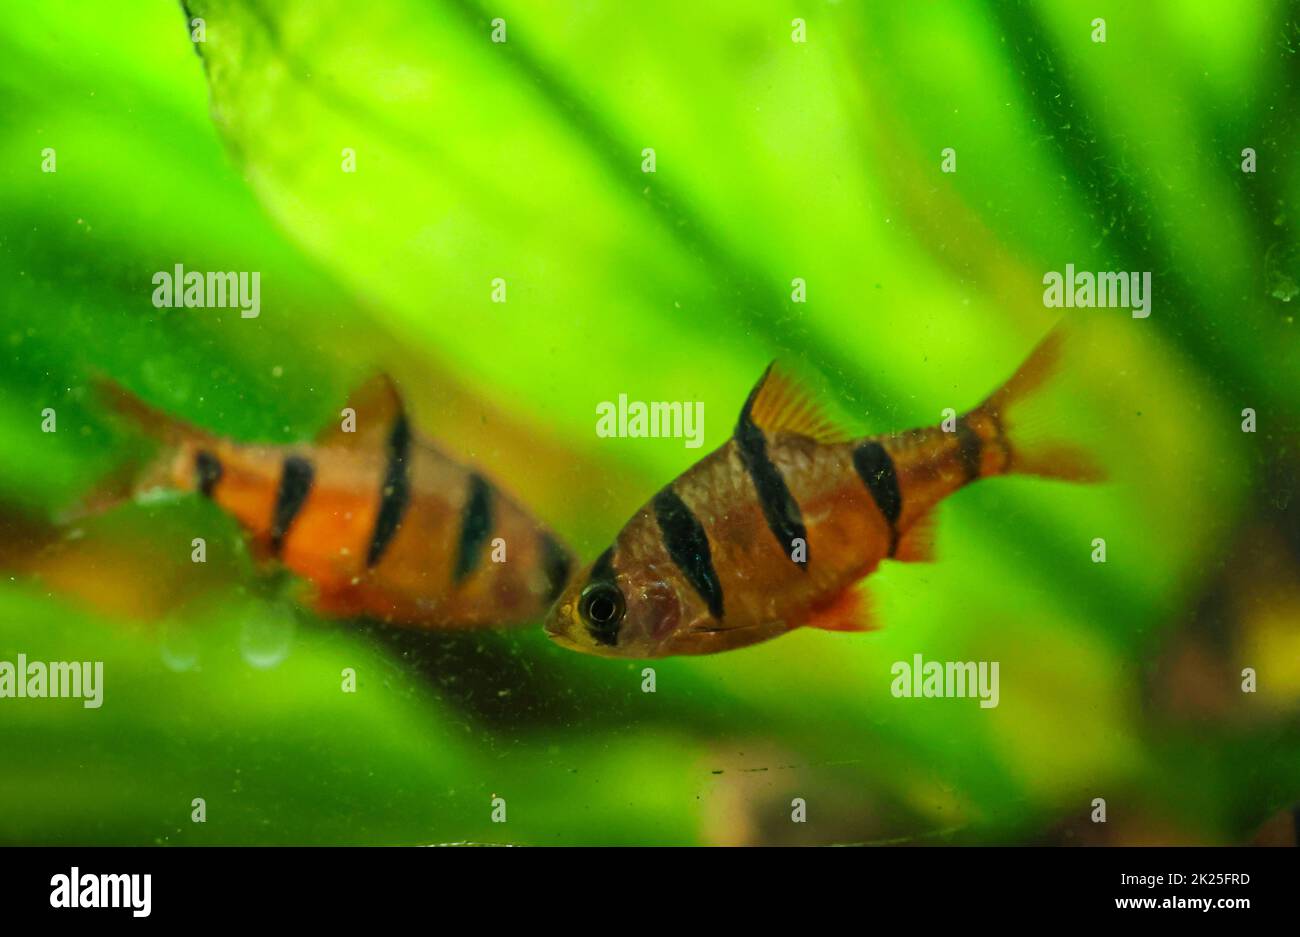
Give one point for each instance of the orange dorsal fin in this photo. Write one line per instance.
(848, 611)
(917, 543)
(779, 404)
(367, 418)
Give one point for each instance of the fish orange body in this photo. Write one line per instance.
(775, 529)
(380, 520)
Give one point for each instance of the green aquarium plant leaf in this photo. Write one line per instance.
(525, 214)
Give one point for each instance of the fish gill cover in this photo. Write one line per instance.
(527, 213)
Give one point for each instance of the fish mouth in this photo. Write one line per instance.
(557, 625)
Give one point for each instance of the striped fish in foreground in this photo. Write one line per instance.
(775, 529)
(380, 521)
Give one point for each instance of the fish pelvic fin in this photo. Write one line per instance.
(1014, 423)
(850, 610)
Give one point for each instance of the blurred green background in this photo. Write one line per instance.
(775, 160)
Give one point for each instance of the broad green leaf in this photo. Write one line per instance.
(774, 160)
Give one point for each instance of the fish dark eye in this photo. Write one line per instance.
(601, 607)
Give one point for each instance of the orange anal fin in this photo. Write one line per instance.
(335, 603)
(916, 545)
(848, 611)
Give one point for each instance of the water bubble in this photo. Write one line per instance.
(266, 637)
(179, 648)
(1281, 263)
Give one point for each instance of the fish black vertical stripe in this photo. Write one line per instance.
(688, 546)
(1000, 436)
(555, 564)
(876, 469)
(784, 517)
(969, 449)
(475, 525)
(603, 579)
(207, 471)
(603, 569)
(395, 494)
(296, 476)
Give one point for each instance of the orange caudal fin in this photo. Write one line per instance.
(1032, 437)
(143, 417)
(135, 476)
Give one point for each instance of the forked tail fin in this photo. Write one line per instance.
(135, 475)
(1032, 438)
(144, 417)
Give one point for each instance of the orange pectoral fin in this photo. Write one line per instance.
(848, 611)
